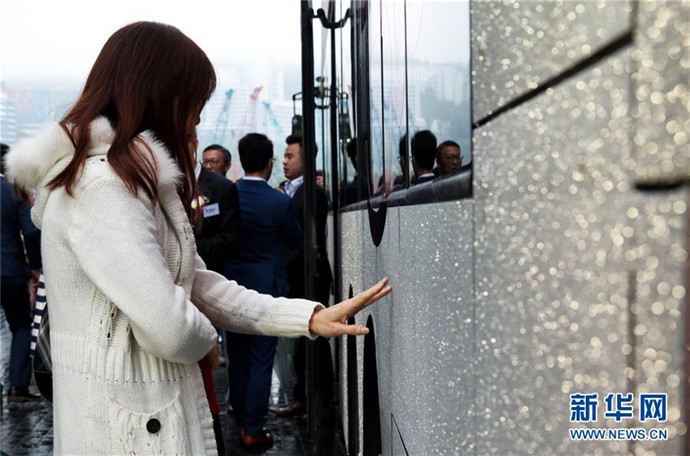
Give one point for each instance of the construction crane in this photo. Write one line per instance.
(222, 121)
(249, 114)
(248, 122)
(274, 121)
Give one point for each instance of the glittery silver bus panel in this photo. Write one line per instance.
(662, 97)
(519, 45)
(566, 271)
(424, 329)
(552, 277)
(658, 313)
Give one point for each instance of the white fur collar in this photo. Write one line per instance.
(32, 159)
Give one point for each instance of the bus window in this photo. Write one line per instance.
(419, 97)
(376, 100)
(394, 88)
(438, 71)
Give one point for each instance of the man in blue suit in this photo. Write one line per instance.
(268, 230)
(20, 240)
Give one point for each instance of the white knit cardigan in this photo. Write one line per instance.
(132, 306)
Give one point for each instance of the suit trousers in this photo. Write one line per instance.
(250, 366)
(14, 294)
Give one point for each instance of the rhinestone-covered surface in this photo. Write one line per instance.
(517, 45)
(552, 280)
(580, 277)
(662, 109)
(351, 264)
(432, 382)
(658, 313)
(424, 330)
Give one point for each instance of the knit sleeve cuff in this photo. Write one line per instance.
(290, 318)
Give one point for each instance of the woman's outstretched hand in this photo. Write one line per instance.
(332, 321)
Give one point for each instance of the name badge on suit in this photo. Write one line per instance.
(211, 210)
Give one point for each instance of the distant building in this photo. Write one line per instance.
(270, 114)
(8, 119)
(23, 111)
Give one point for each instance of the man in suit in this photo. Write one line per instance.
(423, 147)
(217, 233)
(217, 158)
(293, 168)
(448, 158)
(268, 230)
(20, 240)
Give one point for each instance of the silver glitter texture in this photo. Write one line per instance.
(558, 276)
(662, 112)
(552, 191)
(657, 315)
(517, 45)
(424, 329)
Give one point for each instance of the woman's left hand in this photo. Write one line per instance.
(332, 321)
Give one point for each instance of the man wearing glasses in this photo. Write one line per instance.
(448, 158)
(217, 158)
(217, 233)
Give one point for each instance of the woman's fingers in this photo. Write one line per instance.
(338, 329)
(373, 291)
(352, 306)
(365, 298)
(332, 321)
(384, 291)
(355, 330)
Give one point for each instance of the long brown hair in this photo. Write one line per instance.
(148, 76)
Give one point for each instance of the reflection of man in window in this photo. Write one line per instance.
(448, 158)
(423, 155)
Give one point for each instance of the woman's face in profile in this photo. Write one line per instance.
(193, 120)
(190, 129)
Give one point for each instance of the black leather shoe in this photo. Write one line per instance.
(22, 394)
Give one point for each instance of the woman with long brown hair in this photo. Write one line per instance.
(132, 307)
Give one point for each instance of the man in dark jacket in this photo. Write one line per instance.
(217, 235)
(268, 230)
(423, 147)
(293, 168)
(20, 240)
(220, 214)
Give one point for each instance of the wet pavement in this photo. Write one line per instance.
(26, 429)
(289, 433)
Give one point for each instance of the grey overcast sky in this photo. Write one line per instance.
(48, 40)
